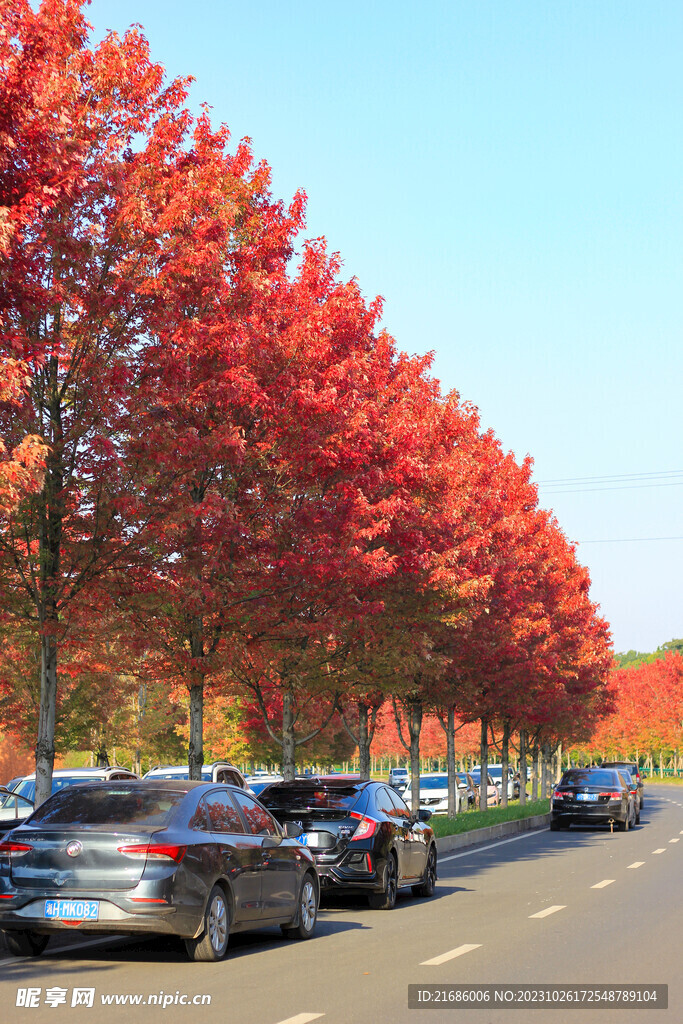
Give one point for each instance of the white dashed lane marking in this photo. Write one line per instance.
(302, 1018)
(663, 850)
(601, 885)
(451, 955)
(637, 864)
(676, 840)
(549, 910)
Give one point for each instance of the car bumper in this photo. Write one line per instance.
(587, 815)
(29, 914)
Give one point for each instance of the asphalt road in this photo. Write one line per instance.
(583, 907)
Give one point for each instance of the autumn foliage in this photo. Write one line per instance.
(220, 479)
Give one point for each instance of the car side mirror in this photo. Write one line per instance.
(424, 814)
(293, 829)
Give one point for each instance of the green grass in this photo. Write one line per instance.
(470, 820)
(668, 780)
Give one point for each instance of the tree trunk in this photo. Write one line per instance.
(288, 741)
(522, 767)
(545, 764)
(450, 765)
(534, 772)
(505, 761)
(414, 727)
(484, 763)
(196, 746)
(45, 745)
(363, 742)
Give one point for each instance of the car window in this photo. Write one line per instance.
(400, 806)
(13, 806)
(258, 819)
(114, 804)
(310, 797)
(229, 776)
(384, 802)
(223, 815)
(588, 777)
(200, 819)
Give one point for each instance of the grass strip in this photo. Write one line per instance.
(470, 820)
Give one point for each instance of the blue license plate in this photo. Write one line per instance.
(590, 797)
(72, 910)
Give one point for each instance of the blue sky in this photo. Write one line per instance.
(508, 176)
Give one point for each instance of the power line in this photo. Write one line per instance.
(620, 487)
(619, 476)
(626, 540)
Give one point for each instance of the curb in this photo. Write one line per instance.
(445, 844)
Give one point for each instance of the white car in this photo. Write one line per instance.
(219, 771)
(62, 777)
(433, 793)
(496, 773)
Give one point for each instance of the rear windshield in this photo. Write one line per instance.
(108, 805)
(310, 798)
(579, 777)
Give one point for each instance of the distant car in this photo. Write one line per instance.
(363, 837)
(257, 783)
(632, 767)
(468, 790)
(399, 778)
(63, 777)
(635, 792)
(218, 771)
(14, 809)
(593, 796)
(13, 782)
(493, 797)
(189, 859)
(496, 773)
(433, 793)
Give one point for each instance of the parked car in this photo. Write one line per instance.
(592, 796)
(363, 837)
(257, 783)
(63, 777)
(190, 859)
(399, 778)
(496, 773)
(635, 792)
(13, 809)
(433, 793)
(633, 768)
(467, 789)
(493, 798)
(219, 771)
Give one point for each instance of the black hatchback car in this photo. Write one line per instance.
(191, 859)
(363, 837)
(592, 796)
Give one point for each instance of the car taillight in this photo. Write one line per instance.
(154, 851)
(365, 828)
(11, 849)
(612, 796)
(557, 795)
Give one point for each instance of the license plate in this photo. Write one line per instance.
(589, 797)
(72, 910)
(310, 839)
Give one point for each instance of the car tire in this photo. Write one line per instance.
(623, 826)
(428, 884)
(212, 944)
(386, 900)
(26, 943)
(638, 818)
(307, 914)
(555, 825)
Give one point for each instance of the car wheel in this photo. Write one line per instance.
(26, 943)
(213, 942)
(622, 826)
(386, 899)
(428, 883)
(308, 912)
(638, 818)
(555, 825)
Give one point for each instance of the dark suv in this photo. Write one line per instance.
(633, 768)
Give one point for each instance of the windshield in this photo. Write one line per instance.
(432, 782)
(108, 805)
(181, 774)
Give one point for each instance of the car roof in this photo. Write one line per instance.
(61, 773)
